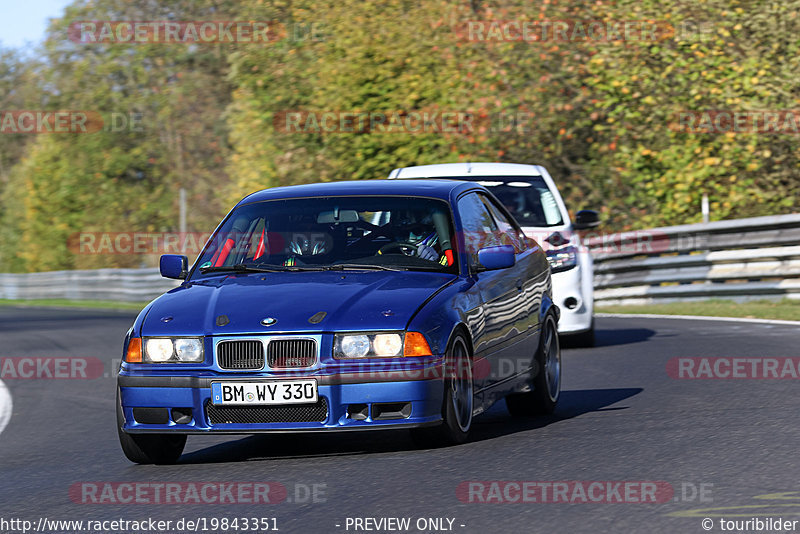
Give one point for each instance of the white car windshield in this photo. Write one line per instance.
(527, 198)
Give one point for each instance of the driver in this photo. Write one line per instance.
(425, 248)
(514, 201)
(418, 231)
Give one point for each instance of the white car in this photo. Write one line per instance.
(531, 196)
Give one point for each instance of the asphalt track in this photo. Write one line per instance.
(621, 418)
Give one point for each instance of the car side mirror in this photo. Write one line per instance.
(173, 266)
(494, 258)
(586, 219)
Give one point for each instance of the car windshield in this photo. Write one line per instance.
(327, 233)
(527, 198)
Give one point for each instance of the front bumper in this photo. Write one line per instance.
(367, 400)
(575, 302)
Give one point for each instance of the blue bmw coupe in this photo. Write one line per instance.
(340, 306)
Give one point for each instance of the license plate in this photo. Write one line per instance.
(266, 392)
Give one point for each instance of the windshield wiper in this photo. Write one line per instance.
(366, 267)
(242, 268)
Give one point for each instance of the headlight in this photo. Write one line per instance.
(387, 344)
(383, 345)
(189, 350)
(354, 346)
(562, 259)
(158, 350)
(173, 350)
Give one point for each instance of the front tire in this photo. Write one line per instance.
(457, 404)
(547, 382)
(149, 448)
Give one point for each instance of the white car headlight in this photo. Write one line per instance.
(189, 349)
(158, 349)
(382, 345)
(354, 346)
(562, 259)
(387, 345)
(173, 350)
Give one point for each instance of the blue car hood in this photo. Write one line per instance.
(372, 300)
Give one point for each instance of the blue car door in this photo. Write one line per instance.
(531, 270)
(503, 315)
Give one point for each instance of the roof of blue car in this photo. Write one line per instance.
(422, 188)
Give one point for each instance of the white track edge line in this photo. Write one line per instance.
(698, 318)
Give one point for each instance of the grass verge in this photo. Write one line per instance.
(64, 303)
(787, 310)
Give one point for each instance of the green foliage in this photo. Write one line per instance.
(725, 55)
(359, 56)
(119, 179)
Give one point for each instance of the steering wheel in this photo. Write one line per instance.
(400, 245)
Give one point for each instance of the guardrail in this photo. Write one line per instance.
(739, 259)
(126, 285)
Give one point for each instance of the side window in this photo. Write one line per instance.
(478, 225)
(508, 232)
